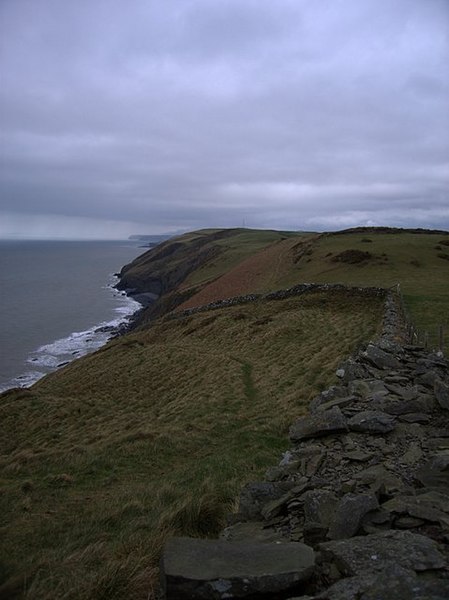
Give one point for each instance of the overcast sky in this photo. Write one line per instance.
(146, 116)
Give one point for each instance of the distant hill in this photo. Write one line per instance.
(150, 238)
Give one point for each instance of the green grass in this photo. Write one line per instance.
(410, 259)
(235, 249)
(154, 435)
(413, 260)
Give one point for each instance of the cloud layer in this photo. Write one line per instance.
(147, 116)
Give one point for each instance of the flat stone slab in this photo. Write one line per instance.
(213, 569)
(318, 424)
(372, 553)
(349, 514)
(372, 421)
(431, 506)
(423, 404)
(380, 359)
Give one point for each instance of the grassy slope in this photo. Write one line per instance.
(260, 272)
(411, 259)
(218, 250)
(155, 434)
(236, 249)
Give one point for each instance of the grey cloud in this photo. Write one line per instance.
(183, 114)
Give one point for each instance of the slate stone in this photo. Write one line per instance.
(405, 393)
(349, 588)
(441, 391)
(349, 515)
(396, 379)
(393, 583)
(437, 443)
(332, 393)
(256, 495)
(319, 424)
(390, 346)
(347, 486)
(435, 473)
(340, 402)
(253, 531)
(428, 378)
(275, 507)
(319, 506)
(365, 388)
(212, 569)
(358, 456)
(371, 421)
(351, 370)
(403, 584)
(420, 507)
(276, 474)
(372, 553)
(380, 359)
(413, 455)
(437, 499)
(377, 517)
(407, 522)
(420, 418)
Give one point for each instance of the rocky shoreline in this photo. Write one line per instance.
(358, 508)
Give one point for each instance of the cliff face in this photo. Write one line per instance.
(162, 269)
(155, 277)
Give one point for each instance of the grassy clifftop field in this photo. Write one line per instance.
(204, 266)
(417, 260)
(155, 433)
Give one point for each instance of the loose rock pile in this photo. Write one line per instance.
(359, 504)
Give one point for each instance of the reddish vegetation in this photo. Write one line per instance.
(254, 274)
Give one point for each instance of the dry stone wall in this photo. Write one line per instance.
(296, 290)
(358, 508)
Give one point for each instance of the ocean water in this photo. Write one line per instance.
(54, 298)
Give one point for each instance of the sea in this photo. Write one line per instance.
(58, 302)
